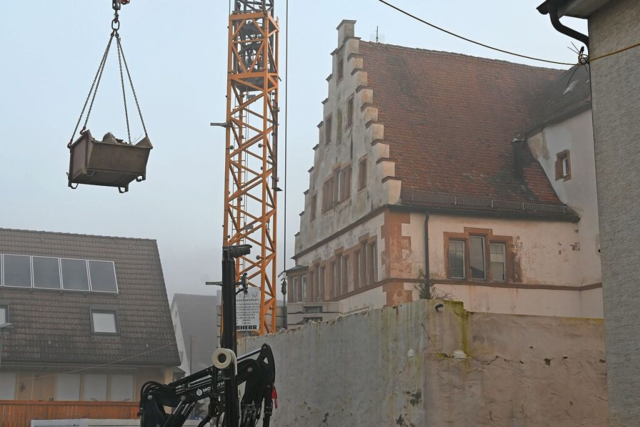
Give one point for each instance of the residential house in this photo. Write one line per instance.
(445, 175)
(194, 321)
(90, 316)
(614, 51)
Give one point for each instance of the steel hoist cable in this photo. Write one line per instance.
(122, 60)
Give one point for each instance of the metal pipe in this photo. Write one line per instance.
(552, 7)
(427, 273)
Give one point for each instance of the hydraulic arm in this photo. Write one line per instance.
(257, 375)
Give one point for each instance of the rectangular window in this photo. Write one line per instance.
(94, 387)
(373, 263)
(356, 270)
(498, 262)
(304, 288)
(340, 68)
(74, 275)
(103, 276)
(563, 165)
(350, 111)
(456, 259)
(121, 388)
(327, 130)
(323, 279)
(334, 279)
(339, 128)
(68, 387)
(362, 174)
(477, 257)
(4, 314)
(364, 270)
(46, 273)
(314, 206)
(313, 309)
(17, 271)
(7, 385)
(346, 184)
(104, 322)
(327, 195)
(346, 274)
(336, 187)
(296, 290)
(312, 289)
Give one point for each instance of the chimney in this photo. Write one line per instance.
(518, 156)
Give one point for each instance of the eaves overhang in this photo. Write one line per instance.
(574, 8)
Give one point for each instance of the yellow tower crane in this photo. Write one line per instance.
(251, 183)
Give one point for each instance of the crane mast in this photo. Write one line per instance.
(251, 182)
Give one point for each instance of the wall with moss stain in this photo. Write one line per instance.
(396, 367)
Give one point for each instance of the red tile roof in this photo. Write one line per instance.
(450, 120)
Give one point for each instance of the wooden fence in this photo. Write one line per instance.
(19, 413)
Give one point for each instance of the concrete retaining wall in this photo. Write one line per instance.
(398, 367)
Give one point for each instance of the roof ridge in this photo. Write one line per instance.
(480, 58)
(60, 233)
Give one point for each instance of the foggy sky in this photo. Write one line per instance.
(50, 51)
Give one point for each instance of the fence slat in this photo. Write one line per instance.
(19, 413)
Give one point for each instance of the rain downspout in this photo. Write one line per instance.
(552, 8)
(427, 273)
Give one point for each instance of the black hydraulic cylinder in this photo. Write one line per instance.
(229, 255)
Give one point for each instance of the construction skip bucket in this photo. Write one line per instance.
(108, 163)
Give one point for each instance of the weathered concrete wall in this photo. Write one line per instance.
(615, 84)
(396, 367)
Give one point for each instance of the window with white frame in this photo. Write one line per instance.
(477, 257)
(456, 259)
(304, 288)
(296, 289)
(499, 262)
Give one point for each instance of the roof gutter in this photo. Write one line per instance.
(552, 7)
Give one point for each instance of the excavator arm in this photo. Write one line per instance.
(258, 376)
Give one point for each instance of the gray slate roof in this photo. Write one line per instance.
(198, 319)
(53, 327)
(568, 95)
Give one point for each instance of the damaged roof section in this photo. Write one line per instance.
(450, 120)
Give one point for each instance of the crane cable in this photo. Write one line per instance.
(286, 156)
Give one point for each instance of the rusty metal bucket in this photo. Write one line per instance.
(107, 164)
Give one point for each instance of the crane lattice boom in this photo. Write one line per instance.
(251, 147)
